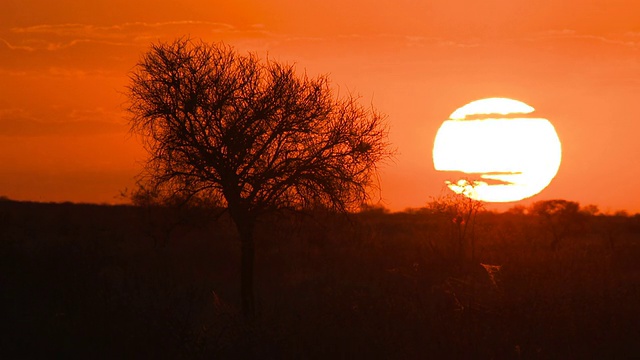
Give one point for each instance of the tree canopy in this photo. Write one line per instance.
(252, 132)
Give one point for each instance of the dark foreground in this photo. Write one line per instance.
(83, 281)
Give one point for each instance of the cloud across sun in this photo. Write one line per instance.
(496, 151)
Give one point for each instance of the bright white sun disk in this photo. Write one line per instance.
(517, 156)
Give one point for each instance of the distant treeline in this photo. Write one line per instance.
(98, 281)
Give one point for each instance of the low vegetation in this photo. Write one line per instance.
(161, 282)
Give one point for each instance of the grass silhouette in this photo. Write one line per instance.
(122, 281)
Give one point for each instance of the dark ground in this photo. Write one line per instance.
(89, 281)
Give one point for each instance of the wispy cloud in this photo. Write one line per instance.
(458, 44)
(16, 47)
(53, 37)
(49, 49)
(112, 31)
(627, 39)
(77, 122)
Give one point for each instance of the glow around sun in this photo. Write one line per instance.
(496, 151)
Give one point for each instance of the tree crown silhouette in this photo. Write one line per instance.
(253, 132)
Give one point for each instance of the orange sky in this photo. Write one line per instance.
(64, 66)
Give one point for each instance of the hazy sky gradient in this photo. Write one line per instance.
(64, 68)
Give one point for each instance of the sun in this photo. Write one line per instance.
(496, 151)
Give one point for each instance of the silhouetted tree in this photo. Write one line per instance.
(253, 133)
(610, 227)
(461, 210)
(560, 217)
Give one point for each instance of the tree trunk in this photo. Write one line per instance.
(555, 242)
(246, 274)
(245, 224)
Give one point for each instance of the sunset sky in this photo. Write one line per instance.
(64, 68)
